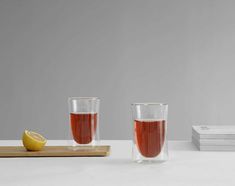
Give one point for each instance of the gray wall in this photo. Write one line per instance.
(179, 52)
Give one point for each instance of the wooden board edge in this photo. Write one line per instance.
(51, 154)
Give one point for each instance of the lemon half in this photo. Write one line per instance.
(33, 141)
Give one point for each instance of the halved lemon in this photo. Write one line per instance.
(33, 141)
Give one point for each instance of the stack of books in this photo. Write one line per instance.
(214, 138)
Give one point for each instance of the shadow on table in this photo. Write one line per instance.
(119, 161)
(128, 161)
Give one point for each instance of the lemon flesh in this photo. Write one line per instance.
(33, 141)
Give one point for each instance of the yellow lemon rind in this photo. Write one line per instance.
(31, 143)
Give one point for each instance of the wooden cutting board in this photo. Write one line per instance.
(55, 151)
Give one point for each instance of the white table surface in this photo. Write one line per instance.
(187, 166)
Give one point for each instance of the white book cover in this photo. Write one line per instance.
(214, 131)
(213, 147)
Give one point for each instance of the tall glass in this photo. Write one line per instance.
(150, 132)
(84, 120)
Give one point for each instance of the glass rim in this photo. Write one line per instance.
(150, 103)
(83, 98)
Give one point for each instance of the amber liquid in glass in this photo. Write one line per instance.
(83, 127)
(150, 136)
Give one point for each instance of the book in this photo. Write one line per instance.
(213, 147)
(214, 138)
(220, 142)
(214, 132)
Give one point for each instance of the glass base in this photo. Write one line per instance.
(76, 146)
(160, 158)
(150, 161)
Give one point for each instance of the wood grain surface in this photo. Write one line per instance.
(55, 151)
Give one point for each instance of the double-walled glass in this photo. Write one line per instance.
(84, 120)
(150, 132)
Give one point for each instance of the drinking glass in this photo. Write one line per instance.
(84, 120)
(150, 132)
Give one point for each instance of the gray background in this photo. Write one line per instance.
(179, 52)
